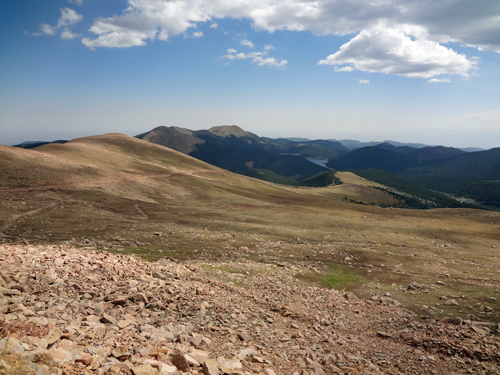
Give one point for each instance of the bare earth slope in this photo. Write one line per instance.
(261, 250)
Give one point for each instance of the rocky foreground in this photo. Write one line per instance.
(76, 311)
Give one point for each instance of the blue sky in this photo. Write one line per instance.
(410, 71)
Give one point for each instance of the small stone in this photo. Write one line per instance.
(108, 319)
(144, 370)
(86, 360)
(383, 334)
(178, 360)
(121, 353)
(53, 336)
(124, 323)
(211, 367)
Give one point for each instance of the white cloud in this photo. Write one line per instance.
(410, 40)
(438, 80)
(463, 21)
(68, 18)
(67, 34)
(258, 58)
(47, 29)
(391, 51)
(247, 43)
(117, 39)
(364, 81)
(344, 69)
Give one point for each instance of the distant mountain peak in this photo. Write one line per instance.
(228, 130)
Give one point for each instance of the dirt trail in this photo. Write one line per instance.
(14, 218)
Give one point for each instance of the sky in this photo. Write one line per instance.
(411, 71)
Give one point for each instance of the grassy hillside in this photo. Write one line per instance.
(126, 195)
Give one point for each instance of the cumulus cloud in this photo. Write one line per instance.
(247, 43)
(258, 58)
(67, 34)
(408, 36)
(68, 18)
(364, 81)
(473, 24)
(438, 80)
(344, 69)
(390, 51)
(46, 29)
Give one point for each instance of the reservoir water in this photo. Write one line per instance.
(318, 161)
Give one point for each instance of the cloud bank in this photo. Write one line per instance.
(391, 51)
(405, 37)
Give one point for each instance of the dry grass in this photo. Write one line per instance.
(118, 192)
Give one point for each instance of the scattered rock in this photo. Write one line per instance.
(69, 311)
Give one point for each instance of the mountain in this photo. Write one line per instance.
(436, 153)
(472, 175)
(391, 158)
(423, 153)
(232, 136)
(482, 165)
(180, 139)
(472, 149)
(373, 157)
(239, 151)
(404, 150)
(353, 144)
(296, 139)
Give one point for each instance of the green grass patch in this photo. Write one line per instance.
(339, 277)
